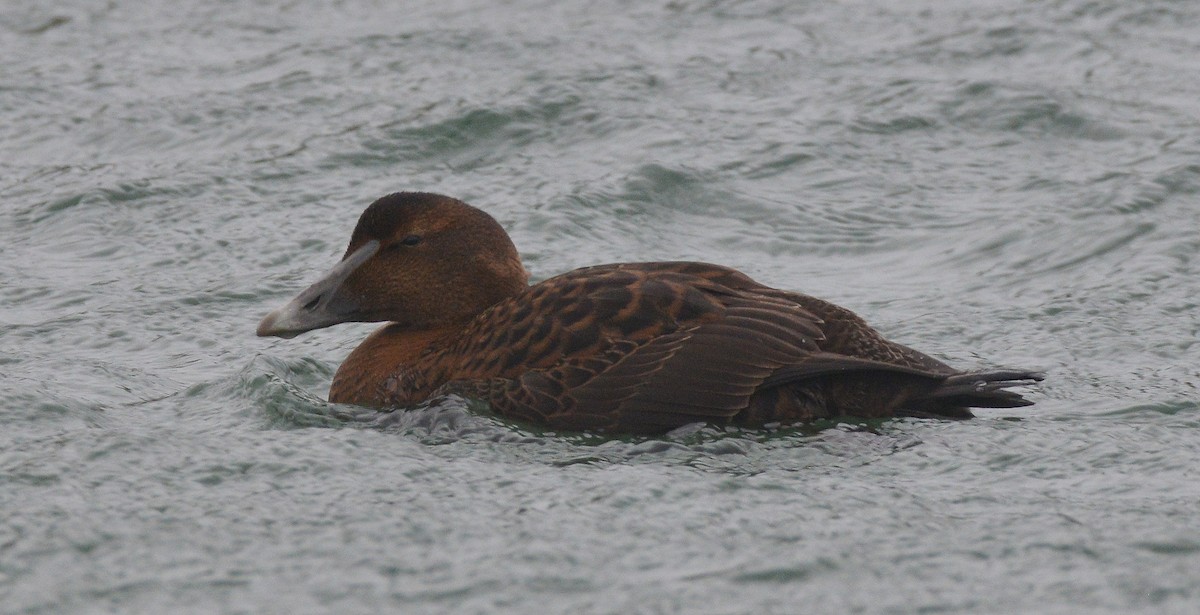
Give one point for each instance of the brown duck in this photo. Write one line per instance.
(630, 347)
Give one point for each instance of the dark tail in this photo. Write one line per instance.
(960, 392)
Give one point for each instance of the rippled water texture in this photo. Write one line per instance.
(996, 183)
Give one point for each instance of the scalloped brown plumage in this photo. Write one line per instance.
(632, 347)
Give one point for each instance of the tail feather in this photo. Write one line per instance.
(959, 392)
(984, 388)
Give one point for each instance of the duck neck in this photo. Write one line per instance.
(384, 370)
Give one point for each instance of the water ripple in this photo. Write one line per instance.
(994, 183)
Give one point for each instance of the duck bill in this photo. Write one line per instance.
(322, 304)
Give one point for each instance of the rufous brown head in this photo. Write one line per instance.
(417, 259)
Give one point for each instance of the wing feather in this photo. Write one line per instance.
(652, 346)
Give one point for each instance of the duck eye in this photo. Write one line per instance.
(411, 240)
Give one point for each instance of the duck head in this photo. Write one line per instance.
(419, 260)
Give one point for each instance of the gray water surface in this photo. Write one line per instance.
(996, 183)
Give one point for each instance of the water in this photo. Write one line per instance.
(996, 183)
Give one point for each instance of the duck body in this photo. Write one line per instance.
(628, 348)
